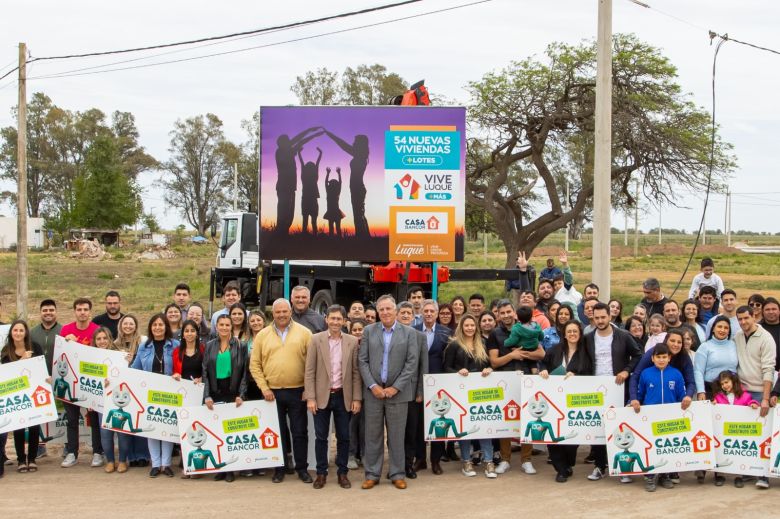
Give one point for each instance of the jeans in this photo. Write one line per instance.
(289, 403)
(322, 428)
(161, 452)
(485, 445)
(73, 414)
(32, 444)
(107, 440)
(139, 449)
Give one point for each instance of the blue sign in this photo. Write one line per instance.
(422, 150)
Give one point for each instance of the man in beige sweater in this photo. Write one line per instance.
(278, 364)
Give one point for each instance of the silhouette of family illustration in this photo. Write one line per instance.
(287, 183)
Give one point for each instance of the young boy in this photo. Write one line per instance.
(706, 278)
(526, 334)
(659, 384)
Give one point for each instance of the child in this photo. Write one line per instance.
(728, 390)
(310, 192)
(332, 193)
(657, 328)
(706, 277)
(526, 334)
(659, 384)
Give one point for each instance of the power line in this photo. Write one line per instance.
(222, 37)
(255, 47)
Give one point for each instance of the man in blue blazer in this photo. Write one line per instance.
(436, 338)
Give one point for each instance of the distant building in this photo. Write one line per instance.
(106, 237)
(35, 232)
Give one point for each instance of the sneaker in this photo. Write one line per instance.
(738, 482)
(468, 469)
(247, 473)
(666, 481)
(491, 471)
(502, 467)
(699, 476)
(596, 474)
(352, 463)
(589, 459)
(69, 461)
(41, 452)
(675, 478)
(528, 468)
(98, 460)
(719, 480)
(626, 480)
(650, 483)
(762, 483)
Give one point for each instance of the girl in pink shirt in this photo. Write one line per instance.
(729, 391)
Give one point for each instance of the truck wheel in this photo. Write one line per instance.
(321, 301)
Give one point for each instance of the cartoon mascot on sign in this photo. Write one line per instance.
(60, 386)
(199, 457)
(119, 417)
(440, 426)
(625, 459)
(538, 429)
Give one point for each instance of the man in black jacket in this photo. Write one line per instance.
(614, 353)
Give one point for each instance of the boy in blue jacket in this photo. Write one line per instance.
(659, 384)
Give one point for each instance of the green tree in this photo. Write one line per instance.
(528, 115)
(105, 197)
(198, 169)
(363, 85)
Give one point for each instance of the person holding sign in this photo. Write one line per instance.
(156, 355)
(567, 358)
(614, 353)
(728, 390)
(332, 385)
(224, 373)
(18, 346)
(466, 353)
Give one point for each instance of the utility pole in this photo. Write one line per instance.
(235, 187)
(728, 217)
(602, 164)
(21, 189)
(660, 214)
(568, 224)
(636, 221)
(704, 225)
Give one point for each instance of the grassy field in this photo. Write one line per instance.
(146, 285)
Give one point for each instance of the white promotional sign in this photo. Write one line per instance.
(4, 331)
(25, 396)
(742, 440)
(473, 406)
(774, 451)
(230, 438)
(659, 439)
(56, 431)
(147, 404)
(79, 372)
(567, 410)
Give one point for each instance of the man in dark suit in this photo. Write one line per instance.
(436, 338)
(388, 359)
(615, 353)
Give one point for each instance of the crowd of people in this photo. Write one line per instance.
(363, 368)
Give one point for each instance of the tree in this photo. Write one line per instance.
(249, 164)
(363, 85)
(529, 116)
(104, 196)
(197, 170)
(57, 141)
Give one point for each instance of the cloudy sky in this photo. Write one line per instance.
(448, 49)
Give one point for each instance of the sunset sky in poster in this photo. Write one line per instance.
(345, 122)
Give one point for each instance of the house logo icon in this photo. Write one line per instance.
(432, 223)
(409, 186)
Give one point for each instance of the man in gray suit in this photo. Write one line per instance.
(388, 360)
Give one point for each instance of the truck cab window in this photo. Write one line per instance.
(229, 234)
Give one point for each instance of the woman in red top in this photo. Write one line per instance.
(188, 357)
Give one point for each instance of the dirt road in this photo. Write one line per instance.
(84, 492)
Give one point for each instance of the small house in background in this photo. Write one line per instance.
(36, 234)
(149, 238)
(105, 237)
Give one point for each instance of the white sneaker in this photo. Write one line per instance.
(468, 469)
(502, 467)
(626, 479)
(69, 461)
(596, 474)
(762, 483)
(98, 460)
(490, 471)
(528, 468)
(352, 463)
